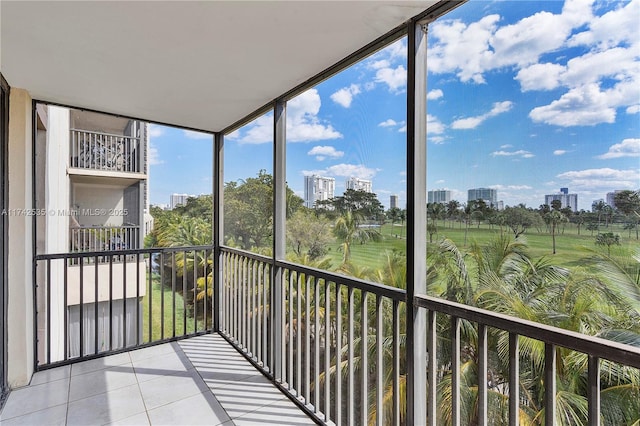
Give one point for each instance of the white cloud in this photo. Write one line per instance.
(345, 95)
(606, 76)
(303, 123)
(388, 123)
(520, 153)
(473, 122)
(605, 178)
(382, 63)
(155, 130)
(394, 78)
(612, 28)
(510, 187)
(345, 170)
(435, 94)
(434, 126)
(403, 129)
(559, 152)
(191, 134)
(633, 109)
(584, 106)
(626, 148)
(153, 156)
(505, 146)
(322, 152)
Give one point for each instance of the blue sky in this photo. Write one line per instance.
(523, 96)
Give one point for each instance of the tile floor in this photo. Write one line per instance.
(197, 381)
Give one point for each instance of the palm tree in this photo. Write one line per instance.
(554, 218)
(347, 230)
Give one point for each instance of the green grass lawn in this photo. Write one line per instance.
(568, 243)
(156, 293)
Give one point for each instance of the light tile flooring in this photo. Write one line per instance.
(197, 381)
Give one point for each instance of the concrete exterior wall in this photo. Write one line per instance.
(118, 283)
(20, 279)
(97, 197)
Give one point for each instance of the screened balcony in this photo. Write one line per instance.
(166, 338)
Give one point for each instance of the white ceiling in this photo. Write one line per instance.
(202, 65)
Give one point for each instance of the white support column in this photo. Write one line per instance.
(20, 314)
(416, 221)
(279, 229)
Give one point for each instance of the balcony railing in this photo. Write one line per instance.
(95, 303)
(336, 345)
(103, 151)
(104, 238)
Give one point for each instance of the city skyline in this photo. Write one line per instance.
(511, 107)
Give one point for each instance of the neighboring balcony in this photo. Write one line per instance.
(103, 238)
(97, 152)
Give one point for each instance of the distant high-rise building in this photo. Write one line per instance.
(393, 202)
(358, 184)
(177, 200)
(488, 195)
(441, 196)
(318, 188)
(566, 199)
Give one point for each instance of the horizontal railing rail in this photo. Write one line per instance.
(97, 303)
(105, 151)
(594, 349)
(340, 351)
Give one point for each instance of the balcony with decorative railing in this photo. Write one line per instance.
(99, 151)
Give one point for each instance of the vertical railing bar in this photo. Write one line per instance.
(265, 323)
(549, 384)
(432, 354)
(338, 356)
(162, 295)
(173, 293)
(253, 307)
(455, 371)
(195, 291)
(307, 340)
(96, 302)
(514, 373)
(258, 312)
(81, 306)
(350, 364)
(124, 301)
(212, 304)
(149, 295)
(396, 363)
(66, 308)
(289, 300)
(138, 313)
(48, 289)
(379, 363)
(316, 351)
(364, 358)
(299, 327)
(327, 351)
(111, 302)
(593, 391)
(206, 288)
(184, 291)
(482, 375)
(250, 318)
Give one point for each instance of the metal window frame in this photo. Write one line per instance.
(4, 231)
